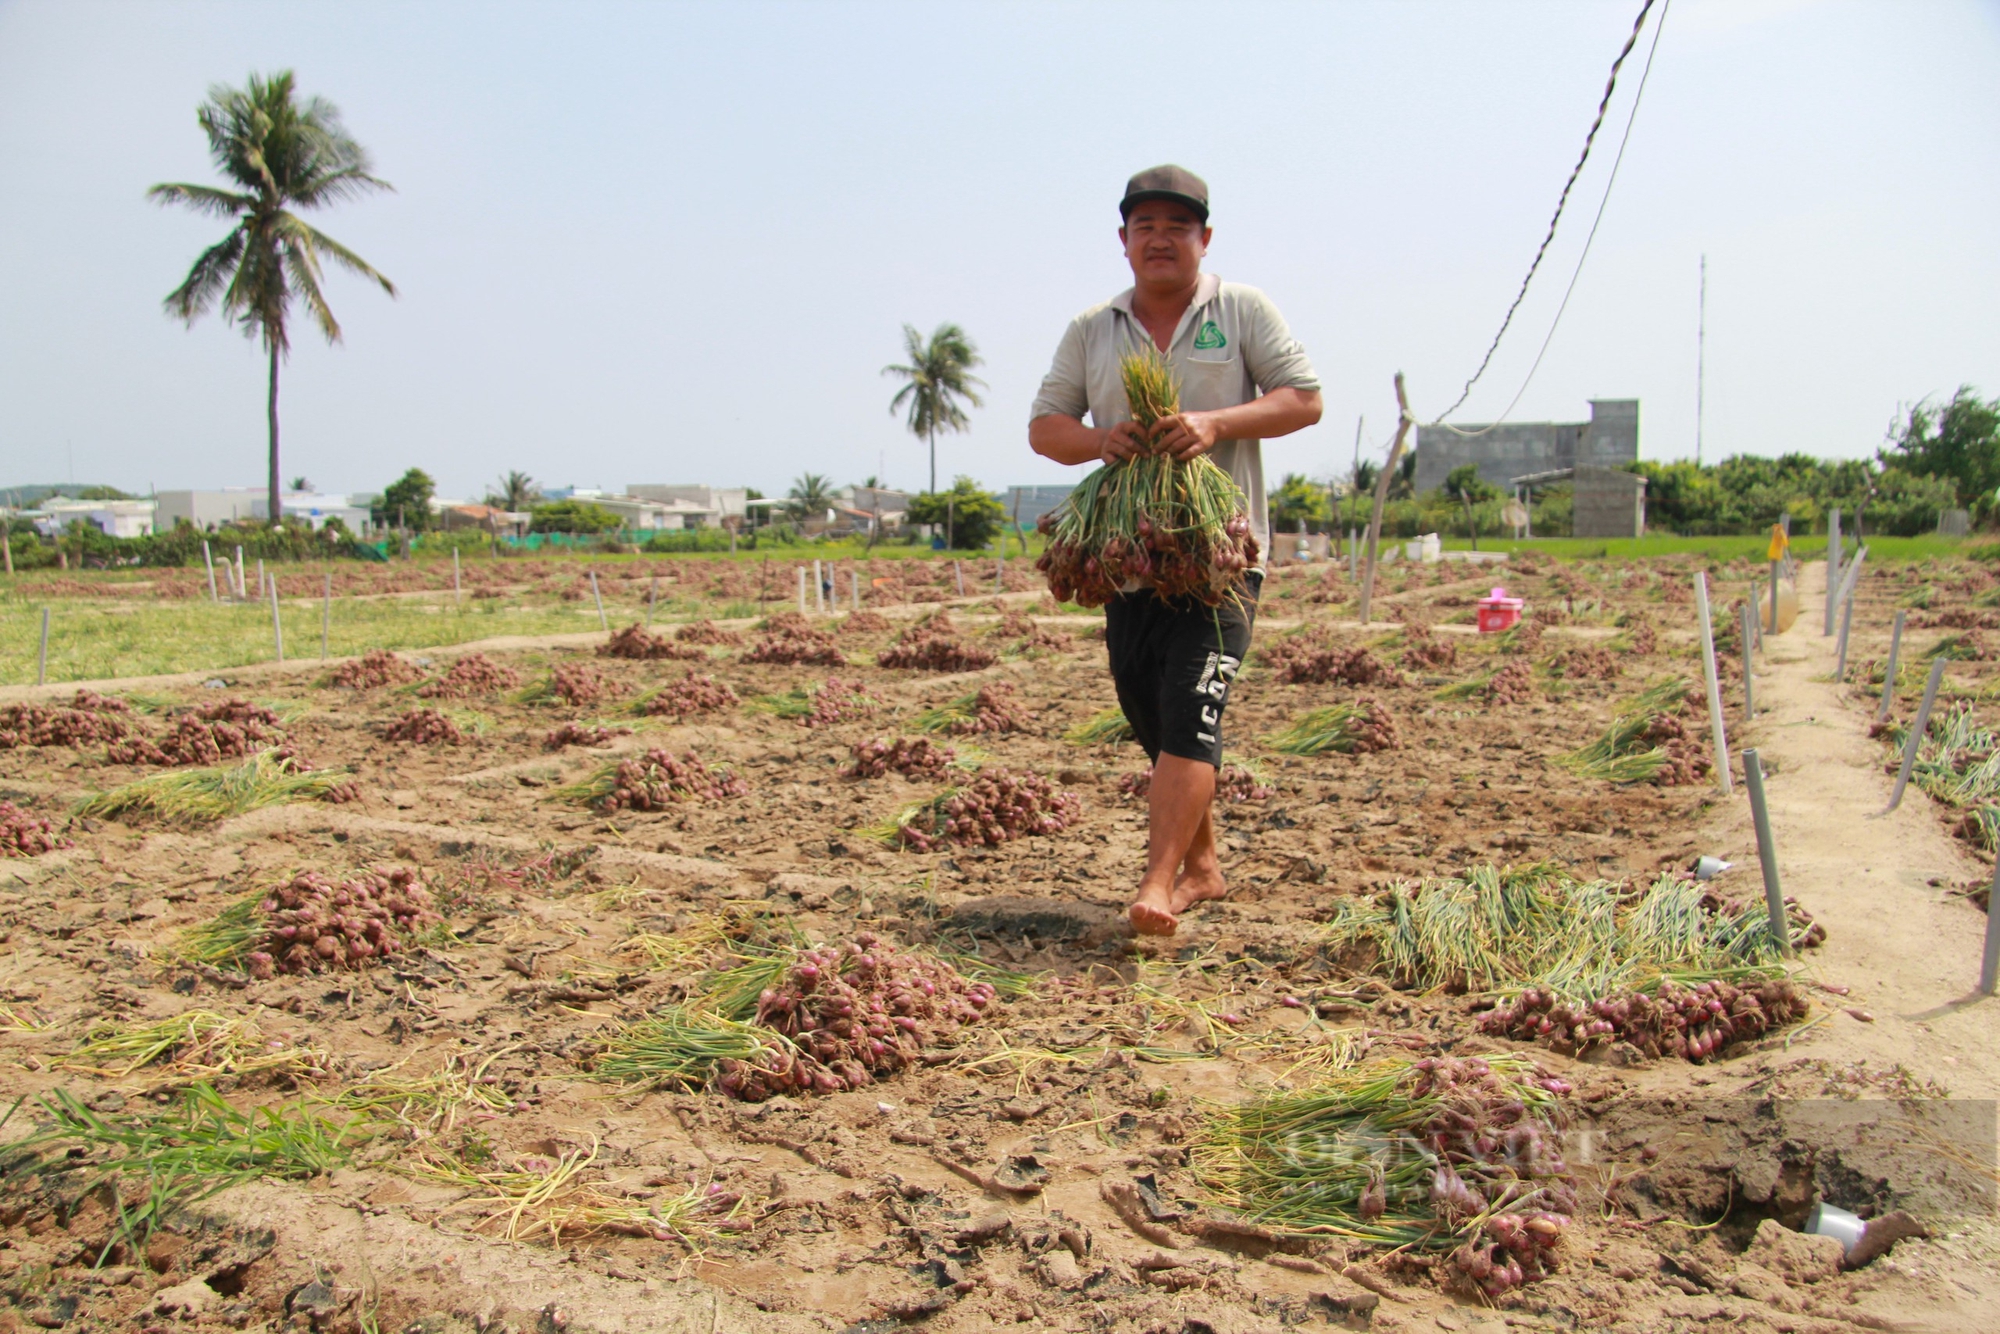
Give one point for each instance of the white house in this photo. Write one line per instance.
(116, 518)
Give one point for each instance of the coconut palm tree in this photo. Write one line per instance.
(279, 154)
(938, 374)
(810, 495)
(517, 492)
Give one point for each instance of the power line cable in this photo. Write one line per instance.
(1610, 86)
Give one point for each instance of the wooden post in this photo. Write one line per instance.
(602, 620)
(1714, 686)
(1767, 852)
(325, 614)
(1889, 673)
(42, 658)
(1917, 730)
(277, 620)
(1382, 497)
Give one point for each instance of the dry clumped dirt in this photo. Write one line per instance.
(993, 1181)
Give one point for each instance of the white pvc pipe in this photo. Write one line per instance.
(1714, 686)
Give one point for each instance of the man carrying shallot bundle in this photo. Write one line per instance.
(1243, 379)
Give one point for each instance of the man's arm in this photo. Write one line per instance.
(1282, 411)
(1066, 439)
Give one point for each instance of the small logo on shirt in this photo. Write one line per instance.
(1209, 336)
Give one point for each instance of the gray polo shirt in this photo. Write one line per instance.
(1231, 346)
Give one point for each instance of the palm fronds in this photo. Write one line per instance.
(192, 797)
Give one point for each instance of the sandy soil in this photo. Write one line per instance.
(857, 1210)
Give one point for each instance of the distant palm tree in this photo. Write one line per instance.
(279, 154)
(938, 373)
(517, 492)
(810, 495)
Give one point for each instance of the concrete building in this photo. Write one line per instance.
(115, 518)
(1609, 439)
(1035, 501)
(209, 509)
(1608, 502)
(723, 502)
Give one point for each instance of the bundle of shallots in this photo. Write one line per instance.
(852, 1012)
(312, 922)
(1182, 526)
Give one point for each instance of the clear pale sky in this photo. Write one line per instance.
(676, 243)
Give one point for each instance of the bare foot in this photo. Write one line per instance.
(1197, 887)
(1152, 913)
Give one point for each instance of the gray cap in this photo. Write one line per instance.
(1168, 182)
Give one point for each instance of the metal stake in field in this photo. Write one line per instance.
(819, 588)
(1889, 675)
(42, 658)
(325, 615)
(1916, 736)
(958, 570)
(1403, 423)
(241, 582)
(603, 621)
(652, 597)
(1748, 629)
(277, 621)
(1000, 573)
(1847, 589)
(456, 595)
(1353, 540)
(260, 578)
(1832, 564)
(209, 561)
(802, 590)
(1989, 960)
(1714, 686)
(1767, 852)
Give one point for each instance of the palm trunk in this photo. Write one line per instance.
(931, 436)
(271, 414)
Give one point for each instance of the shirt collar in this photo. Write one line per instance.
(1204, 292)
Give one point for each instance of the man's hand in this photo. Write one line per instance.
(1187, 435)
(1123, 441)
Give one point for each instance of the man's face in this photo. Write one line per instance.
(1164, 244)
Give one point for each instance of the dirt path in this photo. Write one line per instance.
(1879, 883)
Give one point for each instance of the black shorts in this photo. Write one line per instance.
(1173, 663)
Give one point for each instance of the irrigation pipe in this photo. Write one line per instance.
(1889, 675)
(1917, 733)
(1767, 852)
(1714, 686)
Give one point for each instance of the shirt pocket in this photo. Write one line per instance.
(1210, 384)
